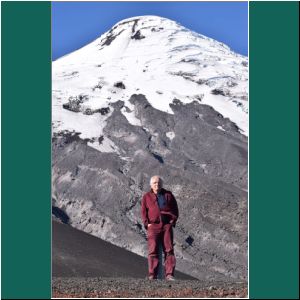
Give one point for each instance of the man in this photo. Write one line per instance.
(159, 212)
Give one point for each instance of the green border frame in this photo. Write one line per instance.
(26, 150)
(26, 159)
(273, 150)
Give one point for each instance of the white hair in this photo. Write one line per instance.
(156, 176)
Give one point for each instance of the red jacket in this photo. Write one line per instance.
(152, 214)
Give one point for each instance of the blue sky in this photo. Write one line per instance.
(75, 24)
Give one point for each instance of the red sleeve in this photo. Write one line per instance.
(144, 213)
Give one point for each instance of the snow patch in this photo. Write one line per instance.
(130, 116)
(106, 145)
(170, 135)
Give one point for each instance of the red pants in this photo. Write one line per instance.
(164, 234)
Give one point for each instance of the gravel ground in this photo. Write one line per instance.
(141, 288)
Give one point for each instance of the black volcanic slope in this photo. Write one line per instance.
(78, 254)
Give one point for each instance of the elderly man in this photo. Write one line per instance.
(159, 214)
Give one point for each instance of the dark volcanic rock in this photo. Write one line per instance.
(138, 288)
(120, 85)
(223, 92)
(205, 168)
(60, 215)
(110, 37)
(138, 36)
(78, 254)
(103, 110)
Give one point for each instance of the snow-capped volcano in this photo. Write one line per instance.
(152, 97)
(155, 57)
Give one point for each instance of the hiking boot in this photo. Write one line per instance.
(170, 278)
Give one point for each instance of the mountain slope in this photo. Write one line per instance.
(78, 254)
(151, 97)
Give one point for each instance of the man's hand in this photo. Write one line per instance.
(149, 226)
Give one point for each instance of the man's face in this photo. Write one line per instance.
(156, 184)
